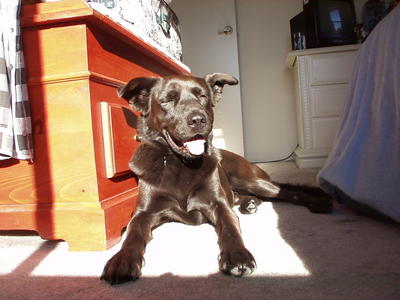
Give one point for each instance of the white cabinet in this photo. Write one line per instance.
(321, 78)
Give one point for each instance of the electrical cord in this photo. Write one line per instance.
(281, 159)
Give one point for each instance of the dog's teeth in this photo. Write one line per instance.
(195, 147)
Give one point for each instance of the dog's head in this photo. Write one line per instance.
(178, 109)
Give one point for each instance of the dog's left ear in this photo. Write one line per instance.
(137, 92)
(217, 82)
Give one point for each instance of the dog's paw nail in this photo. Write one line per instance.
(241, 270)
(121, 268)
(252, 204)
(250, 207)
(237, 263)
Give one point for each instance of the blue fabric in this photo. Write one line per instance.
(365, 160)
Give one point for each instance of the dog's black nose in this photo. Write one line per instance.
(196, 120)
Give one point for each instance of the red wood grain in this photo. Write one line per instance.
(75, 58)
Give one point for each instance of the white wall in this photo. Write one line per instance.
(268, 105)
(267, 90)
(206, 51)
(268, 101)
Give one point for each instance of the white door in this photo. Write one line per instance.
(207, 49)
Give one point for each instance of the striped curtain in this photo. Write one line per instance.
(15, 120)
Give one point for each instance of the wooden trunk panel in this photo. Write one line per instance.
(75, 59)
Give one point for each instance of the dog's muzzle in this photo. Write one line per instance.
(193, 147)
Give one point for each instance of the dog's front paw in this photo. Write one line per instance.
(237, 262)
(122, 267)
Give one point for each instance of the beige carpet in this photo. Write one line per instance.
(299, 256)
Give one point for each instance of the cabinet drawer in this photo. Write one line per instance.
(330, 68)
(119, 125)
(324, 131)
(327, 100)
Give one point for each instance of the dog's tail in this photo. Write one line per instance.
(314, 198)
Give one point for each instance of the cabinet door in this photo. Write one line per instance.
(327, 100)
(322, 83)
(323, 132)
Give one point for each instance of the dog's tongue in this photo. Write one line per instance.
(195, 147)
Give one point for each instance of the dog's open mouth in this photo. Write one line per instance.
(194, 146)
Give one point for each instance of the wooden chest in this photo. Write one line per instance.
(79, 188)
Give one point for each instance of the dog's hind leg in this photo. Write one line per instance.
(311, 197)
(249, 179)
(315, 199)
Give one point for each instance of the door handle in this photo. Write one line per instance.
(227, 30)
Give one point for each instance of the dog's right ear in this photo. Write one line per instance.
(217, 82)
(137, 92)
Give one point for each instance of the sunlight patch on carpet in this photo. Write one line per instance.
(274, 255)
(11, 258)
(181, 250)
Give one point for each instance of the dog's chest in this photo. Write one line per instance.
(183, 178)
(166, 176)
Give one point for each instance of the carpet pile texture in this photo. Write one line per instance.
(299, 255)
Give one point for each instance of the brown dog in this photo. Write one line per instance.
(183, 178)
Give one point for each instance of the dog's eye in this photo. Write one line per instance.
(199, 94)
(171, 96)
